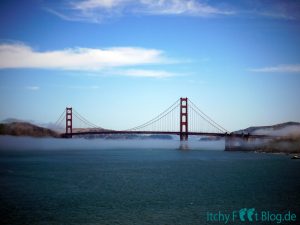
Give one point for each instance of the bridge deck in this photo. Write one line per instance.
(170, 133)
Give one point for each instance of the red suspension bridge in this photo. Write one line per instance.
(182, 118)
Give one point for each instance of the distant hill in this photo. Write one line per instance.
(282, 129)
(13, 120)
(25, 129)
(17, 127)
(286, 138)
(117, 136)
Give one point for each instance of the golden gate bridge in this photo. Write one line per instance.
(182, 118)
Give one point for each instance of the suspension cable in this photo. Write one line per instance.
(207, 118)
(58, 121)
(155, 119)
(85, 120)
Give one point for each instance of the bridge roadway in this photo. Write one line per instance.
(170, 133)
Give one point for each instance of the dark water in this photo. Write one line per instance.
(146, 185)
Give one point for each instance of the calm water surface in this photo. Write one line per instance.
(48, 181)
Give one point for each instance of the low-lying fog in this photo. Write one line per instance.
(29, 143)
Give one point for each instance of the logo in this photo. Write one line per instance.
(250, 215)
(249, 212)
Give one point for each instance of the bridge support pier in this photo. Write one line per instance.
(183, 119)
(69, 120)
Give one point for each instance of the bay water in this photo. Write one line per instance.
(77, 181)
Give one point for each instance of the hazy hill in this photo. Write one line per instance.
(116, 136)
(25, 129)
(17, 127)
(282, 129)
(286, 138)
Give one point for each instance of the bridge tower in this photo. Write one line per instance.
(183, 119)
(69, 122)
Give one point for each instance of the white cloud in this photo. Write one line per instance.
(82, 59)
(97, 10)
(181, 7)
(33, 88)
(93, 4)
(93, 87)
(292, 68)
(145, 73)
(286, 10)
(277, 15)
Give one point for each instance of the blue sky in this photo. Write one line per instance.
(121, 62)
